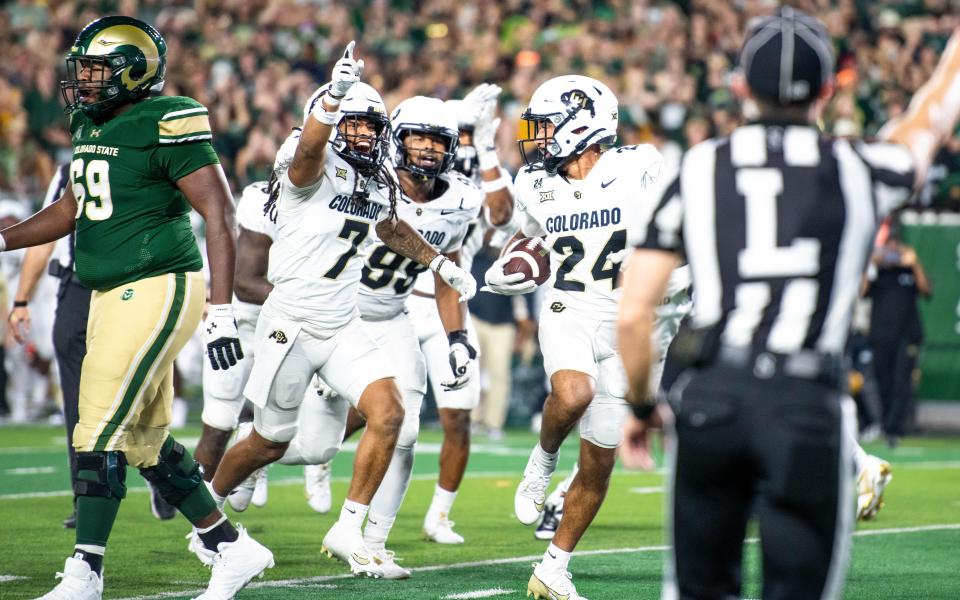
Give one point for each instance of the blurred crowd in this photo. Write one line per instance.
(253, 63)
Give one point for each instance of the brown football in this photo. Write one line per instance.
(530, 257)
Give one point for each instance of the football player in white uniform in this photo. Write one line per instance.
(440, 204)
(477, 160)
(334, 191)
(579, 196)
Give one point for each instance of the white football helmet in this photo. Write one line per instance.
(582, 111)
(361, 102)
(430, 116)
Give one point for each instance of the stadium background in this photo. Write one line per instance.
(253, 63)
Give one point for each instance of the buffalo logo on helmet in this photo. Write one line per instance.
(578, 99)
(557, 307)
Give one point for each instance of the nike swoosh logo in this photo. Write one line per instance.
(445, 212)
(350, 510)
(360, 560)
(605, 184)
(551, 554)
(371, 521)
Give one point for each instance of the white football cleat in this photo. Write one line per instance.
(551, 585)
(388, 563)
(195, 545)
(346, 544)
(235, 565)
(440, 530)
(872, 480)
(77, 582)
(531, 493)
(317, 484)
(259, 497)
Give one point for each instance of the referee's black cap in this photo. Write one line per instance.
(787, 57)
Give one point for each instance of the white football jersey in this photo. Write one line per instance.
(251, 211)
(251, 216)
(472, 242)
(321, 234)
(585, 225)
(388, 278)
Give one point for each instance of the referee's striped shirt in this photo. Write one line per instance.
(63, 251)
(777, 222)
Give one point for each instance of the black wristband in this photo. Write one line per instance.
(460, 336)
(20, 303)
(643, 411)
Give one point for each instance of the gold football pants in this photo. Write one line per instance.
(134, 333)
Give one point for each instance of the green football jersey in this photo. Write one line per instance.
(132, 220)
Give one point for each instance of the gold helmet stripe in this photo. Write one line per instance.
(111, 38)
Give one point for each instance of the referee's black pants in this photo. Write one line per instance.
(70, 346)
(778, 449)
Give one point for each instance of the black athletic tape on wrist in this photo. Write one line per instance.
(458, 337)
(643, 411)
(20, 303)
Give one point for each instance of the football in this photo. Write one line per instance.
(530, 257)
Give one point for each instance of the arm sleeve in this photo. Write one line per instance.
(891, 172)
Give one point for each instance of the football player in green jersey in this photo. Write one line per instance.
(140, 162)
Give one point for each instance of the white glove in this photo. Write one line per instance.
(482, 101)
(462, 355)
(499, 282)
(454, 276)
(287, 149)
(221, 337)
(345, 73)
(479, 97)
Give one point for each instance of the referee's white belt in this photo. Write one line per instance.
(804, 364)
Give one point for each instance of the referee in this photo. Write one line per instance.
(69, 328)
(776, 222)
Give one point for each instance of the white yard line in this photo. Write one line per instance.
(284, 481)
(646, 490)
(520, 559)
(5, 578)
(478, 594)
(30, 471)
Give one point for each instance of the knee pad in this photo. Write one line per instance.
(409, 431)
(602, 422)
(221, 414)
(319, 456)
(101, 474)
(271, 429)
(176, 474)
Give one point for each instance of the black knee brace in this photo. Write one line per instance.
(176, 474)
(101, 474)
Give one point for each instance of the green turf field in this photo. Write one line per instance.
(909, 552)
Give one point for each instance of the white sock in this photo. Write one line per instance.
(555, 558)
(220, 500)
(547, 461)
(442, 503)
(555, 499)
(91, 549)
(377, 530)
(212, 527)
(352, 513)
(386, 502)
